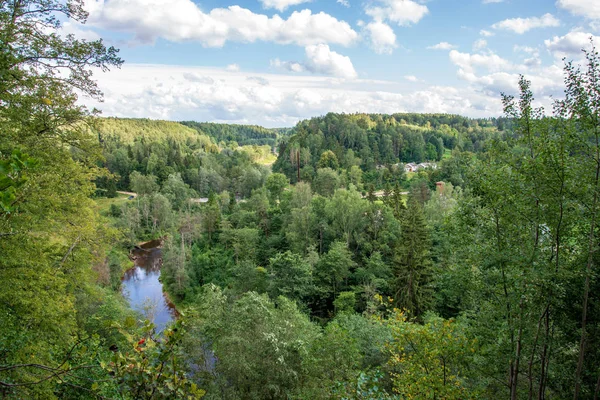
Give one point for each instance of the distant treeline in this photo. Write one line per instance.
(241, 134)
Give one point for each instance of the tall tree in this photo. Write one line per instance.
(412, 263)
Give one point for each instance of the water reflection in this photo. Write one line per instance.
(144, 291)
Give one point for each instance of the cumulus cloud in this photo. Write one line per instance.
(470, 62)
(345, 3)
(233, 67)
(322, 60)
(402, 12)
(485, 33)
(411, 78)
(182, 20)
(164, 92)
(491, 74)
(522, 25)
(442, 46)
(582, 8)
(281, 4)
(381, 36)
(570, 44)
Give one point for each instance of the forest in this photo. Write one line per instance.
(304, 263)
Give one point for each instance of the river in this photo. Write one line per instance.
(142, 288)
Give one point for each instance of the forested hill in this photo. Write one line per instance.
(127, 131)
(369, 140)
(241, 134)
(163, 149)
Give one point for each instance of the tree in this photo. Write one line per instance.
(49, 230)
(346, 211)
(143, 184)
(263, 348)
(326, 181)
(276, 183)
(430, 360)
(177, 191)
(333, 270)
(290, 276)
(412, 265)
(328, 160)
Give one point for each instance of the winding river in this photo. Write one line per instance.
(142, 288)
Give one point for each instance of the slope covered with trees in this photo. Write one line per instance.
(376, 143)
(162, 150)
(240, 134)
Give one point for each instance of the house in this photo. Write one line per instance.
(411, 167)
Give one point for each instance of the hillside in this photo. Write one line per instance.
(242, 134)
(376, 141)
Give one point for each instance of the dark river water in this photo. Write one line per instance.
(142, 288)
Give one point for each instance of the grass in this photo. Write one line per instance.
(103, 203)
(269, 160)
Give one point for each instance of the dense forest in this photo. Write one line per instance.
(476, 278)
(240, 134)
(378, 144)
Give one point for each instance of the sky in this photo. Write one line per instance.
(275, 62)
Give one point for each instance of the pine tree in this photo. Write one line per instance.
(412, 263)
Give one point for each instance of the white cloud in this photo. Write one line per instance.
(471, 62)
(490, 74)
(485, 33)
(479, 44)
(182, 20)
(381, 36)
(233, 67)
(281, 4)
(442, 46)
(165, 92)
(345, 3)
(402, 12)
(78, 31)
(570, 44)
(492, 1)
(411, 78)
(322, 60)
(582, 8)
(522, 25)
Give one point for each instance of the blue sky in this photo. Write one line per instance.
(274, 62)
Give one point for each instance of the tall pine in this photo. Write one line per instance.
(412, 262)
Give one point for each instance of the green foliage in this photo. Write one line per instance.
(240, 134)
(151, 368)
(412, 264)
(13, 175)
(377, 143)
(262, 350)
(345, 302)
(291, 276)
(275, 184)
(431, 360)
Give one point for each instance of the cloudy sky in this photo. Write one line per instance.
(274, 62)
